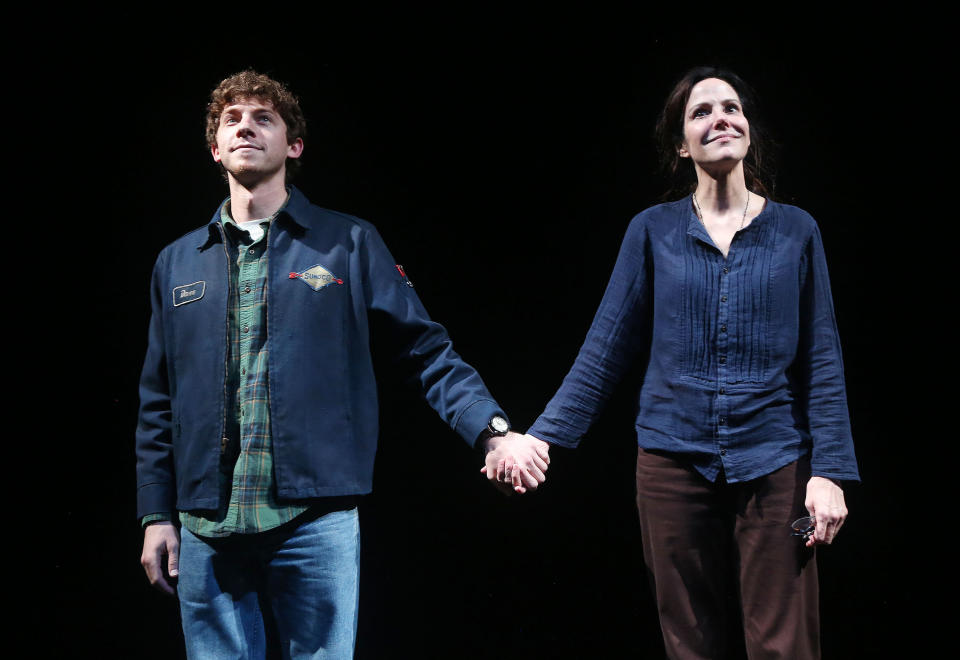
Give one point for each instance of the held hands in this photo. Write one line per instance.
(825, 503)
(516, 462)
(161, 542)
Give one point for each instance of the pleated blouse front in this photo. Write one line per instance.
(743, 368)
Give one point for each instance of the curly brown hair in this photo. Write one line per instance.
(757, 166)
(252, 85)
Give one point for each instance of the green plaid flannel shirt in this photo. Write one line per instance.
(247, 488)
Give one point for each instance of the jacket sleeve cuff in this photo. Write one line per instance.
(473, 421)
(155, 498)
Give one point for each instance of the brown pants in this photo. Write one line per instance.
(720, 553)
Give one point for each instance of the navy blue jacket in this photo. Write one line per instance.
(323, 396)
(740, 354)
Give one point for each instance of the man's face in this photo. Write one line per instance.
(252, 141)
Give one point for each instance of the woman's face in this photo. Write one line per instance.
(715, 131)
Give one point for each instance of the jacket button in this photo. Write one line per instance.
(224, 442)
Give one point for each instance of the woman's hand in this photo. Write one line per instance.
(825, 503)
(516, 462)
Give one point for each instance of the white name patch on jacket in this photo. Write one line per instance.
(188, 293)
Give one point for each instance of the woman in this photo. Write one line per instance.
(742, 421)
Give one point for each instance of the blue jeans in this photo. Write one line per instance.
(300, 580)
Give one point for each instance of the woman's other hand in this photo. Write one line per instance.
(825, 503)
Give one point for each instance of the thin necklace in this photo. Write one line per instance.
(700, 213)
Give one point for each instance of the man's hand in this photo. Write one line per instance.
(161, 542)
(516, 462)
(825, 503)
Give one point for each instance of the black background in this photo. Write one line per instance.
(501, 159)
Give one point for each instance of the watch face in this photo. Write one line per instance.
(499, 424)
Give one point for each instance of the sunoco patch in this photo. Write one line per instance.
(316, 277)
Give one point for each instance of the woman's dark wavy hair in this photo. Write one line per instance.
(669, 135)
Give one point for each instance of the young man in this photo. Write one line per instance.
(258, 418)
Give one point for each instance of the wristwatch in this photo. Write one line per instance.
(498, 425)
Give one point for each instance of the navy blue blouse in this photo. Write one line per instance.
(743, 365)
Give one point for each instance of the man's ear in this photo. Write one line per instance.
(215, 152)
(295, 149)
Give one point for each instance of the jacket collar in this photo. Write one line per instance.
(296, 211)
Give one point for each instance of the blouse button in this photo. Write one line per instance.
(723, 299)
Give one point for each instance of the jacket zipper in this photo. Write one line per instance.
(226, 366)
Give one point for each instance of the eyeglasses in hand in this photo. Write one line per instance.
(804, 527)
